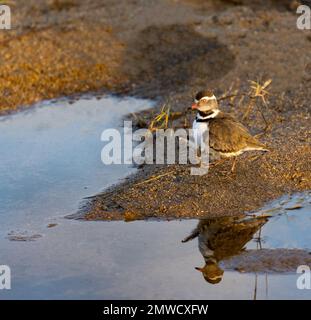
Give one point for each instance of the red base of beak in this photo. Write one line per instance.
(194, 106)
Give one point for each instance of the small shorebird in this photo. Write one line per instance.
(227, 137)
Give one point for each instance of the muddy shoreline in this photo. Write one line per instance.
(170, 49)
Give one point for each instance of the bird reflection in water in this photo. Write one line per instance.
(222, 238)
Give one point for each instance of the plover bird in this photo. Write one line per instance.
(227, 137)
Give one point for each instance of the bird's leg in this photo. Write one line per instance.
(233, 165)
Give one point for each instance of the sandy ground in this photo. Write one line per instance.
(171, 49)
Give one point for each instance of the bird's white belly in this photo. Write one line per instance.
(200, 134)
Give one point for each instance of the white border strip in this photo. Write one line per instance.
(206, 98)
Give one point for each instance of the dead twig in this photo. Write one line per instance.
(260, 91)
(154, 178)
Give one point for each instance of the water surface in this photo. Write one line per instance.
(50, 161)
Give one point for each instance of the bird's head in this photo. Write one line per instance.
(211, 272)
(205, 101)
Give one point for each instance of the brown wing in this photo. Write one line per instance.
(228, 135)
(227, 236)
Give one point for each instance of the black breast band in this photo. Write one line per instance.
(203, 115)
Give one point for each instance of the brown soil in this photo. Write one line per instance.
(166, 48)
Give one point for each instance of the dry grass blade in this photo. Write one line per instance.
(154, 178)
(8, 3)
(140, 121)
(160, 121)
(260, 91)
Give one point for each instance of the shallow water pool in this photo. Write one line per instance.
(50, 161)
